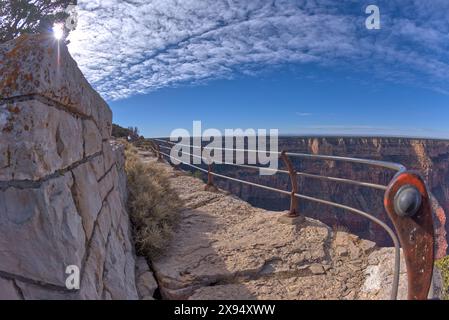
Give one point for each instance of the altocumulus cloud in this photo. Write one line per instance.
(131, 47)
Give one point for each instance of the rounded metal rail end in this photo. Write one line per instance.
(407, 201)
(408, 206)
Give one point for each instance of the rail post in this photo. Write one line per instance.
(152, 147)
(158, 151)
(294, 211)
(408, 205)
(176, 167)
(210, 177)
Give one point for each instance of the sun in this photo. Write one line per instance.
(58, 31)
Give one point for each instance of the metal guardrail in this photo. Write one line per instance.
(406, 201)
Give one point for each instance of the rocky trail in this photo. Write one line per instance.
(224, 248)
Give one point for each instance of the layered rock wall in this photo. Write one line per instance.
(61, 182)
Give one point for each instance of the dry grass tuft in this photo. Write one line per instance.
(153, 206)
(339, 228)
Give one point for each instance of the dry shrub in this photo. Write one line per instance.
(339, 228)
(144, 144)
(153, 206)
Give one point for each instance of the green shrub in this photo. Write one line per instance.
(153, 206)
(443, 265)
(198, 174)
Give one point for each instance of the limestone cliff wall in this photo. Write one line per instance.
(61, 182)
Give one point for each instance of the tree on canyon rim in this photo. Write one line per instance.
(31, 16)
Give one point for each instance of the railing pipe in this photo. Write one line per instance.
(406, 200)
(302, 174)
(384, 164)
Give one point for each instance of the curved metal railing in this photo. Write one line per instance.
(294, 194)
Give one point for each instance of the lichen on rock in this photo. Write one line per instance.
(60, 189)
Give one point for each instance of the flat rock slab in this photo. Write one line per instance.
(226, 249)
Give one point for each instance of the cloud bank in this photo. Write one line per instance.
(136, 46)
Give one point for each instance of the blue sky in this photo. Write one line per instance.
(303, 67)
(331, 104)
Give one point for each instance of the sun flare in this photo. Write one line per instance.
(58, 31)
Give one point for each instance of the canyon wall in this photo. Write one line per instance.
(61, 182)
(429, 157)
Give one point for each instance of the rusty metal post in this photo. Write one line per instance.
(294, 212)
(152, 147)
(159, 155)
(408, 205)
(210, 177)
